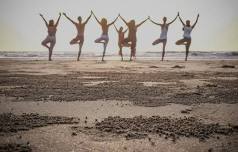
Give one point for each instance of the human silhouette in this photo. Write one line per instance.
(163, 35)
(121, 37)
(104, 38)
(186, 40)
(80, 26)
(132, 39)
(51, 37)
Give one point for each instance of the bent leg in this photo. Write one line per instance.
(156, 42)
(74, 41)
(45, 42)
(99, 40)
(181, 42)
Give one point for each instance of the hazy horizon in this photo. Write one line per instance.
(22, 29)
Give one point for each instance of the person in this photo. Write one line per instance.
(186, 40)
(132, 39)
(104, 37)
(80, 26)
(51, 37)
(163, 35)
(121, 37)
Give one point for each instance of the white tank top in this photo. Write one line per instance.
(187, 32)
(164, 31)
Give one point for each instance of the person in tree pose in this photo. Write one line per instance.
(186, 40)
(121, 37)
(132, 39)
(163, 35)
(80, 26)
(51, 37)
(104, 38)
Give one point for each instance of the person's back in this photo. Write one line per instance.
(132, 32)
(121, 36)
(80, 28)
(52, 30)
(104, 29)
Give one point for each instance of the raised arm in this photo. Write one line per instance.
(154, 22)
(44, 20)
(88, 19)
(195, 22)
(138, 25)
(173, 19)
(96, 18)
(69, 18)
(58, 19)
(115, 28)
(123, 19)
(113, 21)
(181, 20)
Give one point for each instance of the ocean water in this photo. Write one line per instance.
(170, 55)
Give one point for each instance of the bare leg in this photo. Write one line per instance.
(121, 53)
(52, 44)
(180, 42)
(187, 50)
(72, 42)
(104, 50)
(80, 49)
(44, 43)
(156, 42)
(76, 40)
(163, 53)
(187, 43)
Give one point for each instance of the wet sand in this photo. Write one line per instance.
(93, 91)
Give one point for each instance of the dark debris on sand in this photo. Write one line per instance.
(15, 147)
(11, 123)
(228, 66)
(119, 86)
(178, 67)
(140, 127)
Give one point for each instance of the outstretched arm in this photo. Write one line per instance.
(138, 25)
(195, 22)
(115, 27)
(181, 20)
(173, 19)
(96, 18)
(113, 21)
(154, 22)
(88, 19)
(58, 20)
(44, 20)
(69, 18)
(123, 19)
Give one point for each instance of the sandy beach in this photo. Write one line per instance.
(144, 105)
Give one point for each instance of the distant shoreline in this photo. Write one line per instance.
(170, 55)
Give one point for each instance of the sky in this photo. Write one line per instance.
(22, 29)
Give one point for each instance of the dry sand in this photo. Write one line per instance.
(92, 91)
